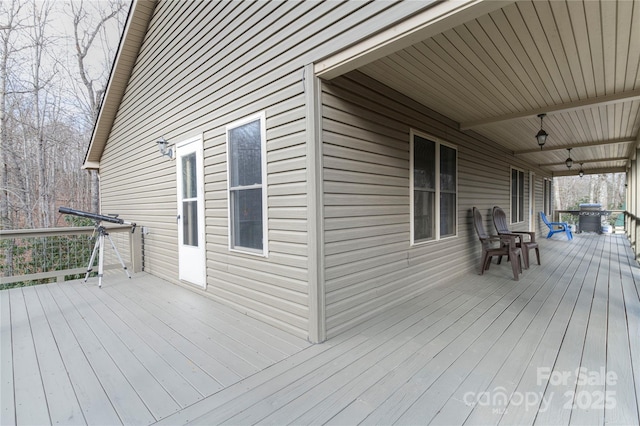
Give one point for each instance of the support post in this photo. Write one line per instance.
(315, 218)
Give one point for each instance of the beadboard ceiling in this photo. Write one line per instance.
(576, 61)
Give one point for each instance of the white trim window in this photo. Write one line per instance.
(517, 195)
(434, 188)
(247, 189)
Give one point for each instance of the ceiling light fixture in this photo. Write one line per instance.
(569, 161)
(542, 135)
(581, 172)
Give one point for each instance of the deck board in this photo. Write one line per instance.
(595, 347)
(625, 410)
(458, 357)
(61, 398)
(143, 351)
(136, 372)
(630, 275)
(504, 363)
(180, 391)
(130, 407)
(405, 363)
(7, 400)
(239, 361)
(435, 349)
(375, 382)
(553, 322)
(294, 399)
(551, 403)
(30, 399)
(156, 318)
(194, 365)
(92, 397)
(270, 342)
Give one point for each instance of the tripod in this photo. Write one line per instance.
(99, 249)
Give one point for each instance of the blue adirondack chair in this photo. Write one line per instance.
(555, 227)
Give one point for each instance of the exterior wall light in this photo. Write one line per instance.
(163, 147)
(542, 135)
(569, 161)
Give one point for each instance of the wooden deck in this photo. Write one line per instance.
(559, 346)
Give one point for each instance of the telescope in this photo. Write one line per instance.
(98, 249)
(94, 216)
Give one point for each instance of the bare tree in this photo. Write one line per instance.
(86, 30)
(54, 69)
(606, 189)
(11, 12)
(44, 102)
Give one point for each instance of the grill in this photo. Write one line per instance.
(591, 217)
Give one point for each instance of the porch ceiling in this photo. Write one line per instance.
(578, 62)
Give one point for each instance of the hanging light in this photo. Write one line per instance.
(569, 160)
(581, 172)
(542, 135)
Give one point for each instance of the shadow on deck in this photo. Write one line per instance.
(559, 346)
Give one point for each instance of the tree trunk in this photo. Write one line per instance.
(95, 192)
(10, 10)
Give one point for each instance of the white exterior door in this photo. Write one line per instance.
(191, 235)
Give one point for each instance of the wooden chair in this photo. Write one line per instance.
(555, 227)
(507, 247)
(500, 222)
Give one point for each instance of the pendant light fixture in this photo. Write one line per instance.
(542, 135)
(569, 160)
(581, 172)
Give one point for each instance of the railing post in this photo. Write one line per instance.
(135, 241)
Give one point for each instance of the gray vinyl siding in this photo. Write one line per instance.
(369, 263)
(202, 66)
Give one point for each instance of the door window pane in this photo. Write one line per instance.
(189, 176)
(190, 223)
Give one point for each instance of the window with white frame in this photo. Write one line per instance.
(247, 189)
(517, 195)
(434, 188)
